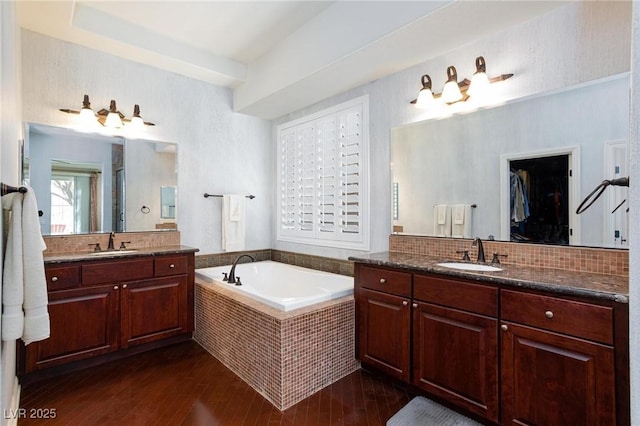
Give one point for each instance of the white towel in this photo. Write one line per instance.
(442, 220)
(24, 290)
(462, 221)
(233, 222)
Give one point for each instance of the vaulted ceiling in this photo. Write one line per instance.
(278, 56)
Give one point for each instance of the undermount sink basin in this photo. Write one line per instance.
(470, 266)
(112, 252)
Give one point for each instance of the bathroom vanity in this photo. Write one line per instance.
(111, 305)
(518, 346)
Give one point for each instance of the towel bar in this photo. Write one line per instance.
(8, 189)
(251, 197)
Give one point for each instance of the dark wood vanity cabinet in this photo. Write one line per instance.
(558, 361)
(384, 320)
(507, 356)
(102, 307)
(455, 342)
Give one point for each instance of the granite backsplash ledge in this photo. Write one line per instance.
(568, 258)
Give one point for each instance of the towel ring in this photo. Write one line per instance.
(145, 210)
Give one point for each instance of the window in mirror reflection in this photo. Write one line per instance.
(74, 191)
(168, 202)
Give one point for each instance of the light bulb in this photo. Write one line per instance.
(425, 98)
(451, 91)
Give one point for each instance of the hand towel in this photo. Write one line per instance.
(462, 220)
(442, 220)
(236, 207)
(24, 290)
(233, 222)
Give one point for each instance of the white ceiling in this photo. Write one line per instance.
(278, 56)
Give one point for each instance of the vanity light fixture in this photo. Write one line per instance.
(111, 118)
(451, 92)
(86, 113)
(425, 97)
(479, 85)
(456, 91)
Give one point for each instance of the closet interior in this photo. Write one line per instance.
(540, 200)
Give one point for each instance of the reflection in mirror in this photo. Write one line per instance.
(468, 159)
(83, 183)
(168, 202)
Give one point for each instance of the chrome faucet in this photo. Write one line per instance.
(232, 273)
(110, 246)
(478, 242)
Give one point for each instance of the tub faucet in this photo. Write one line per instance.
(232, 273)
(478, 242)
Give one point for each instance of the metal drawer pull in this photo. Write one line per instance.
(504, 327)
(548, 314)
(54, 279)
(382, 281)
(405, 303)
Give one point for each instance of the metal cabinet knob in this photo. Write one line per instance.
(504, 327)
(124, 286)
(548, 314)
(405, 303)
(172, 266)
(382, 281)
(415, 305)
(115, 287)
(54, 279)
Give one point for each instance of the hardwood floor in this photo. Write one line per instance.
(184, 385)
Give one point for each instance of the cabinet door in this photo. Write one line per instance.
(84, 323)
(384, 322)
(552, 379)
(455, 357)
(153, 309)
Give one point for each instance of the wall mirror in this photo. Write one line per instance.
(88, 183)
(560, 145)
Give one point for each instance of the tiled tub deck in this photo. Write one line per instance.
(285, 356)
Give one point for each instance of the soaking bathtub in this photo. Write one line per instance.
(280, 285)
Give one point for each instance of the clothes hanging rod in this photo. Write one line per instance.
(8, 189)
(250, 196)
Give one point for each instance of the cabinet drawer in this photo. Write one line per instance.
(62, 277)
(393, 282)
(577, 319)
(121, 270)
(476, 298)
(170, 265)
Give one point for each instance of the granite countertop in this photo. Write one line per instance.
(596, 286)
(117, 254)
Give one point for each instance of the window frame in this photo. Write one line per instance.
(336, 239)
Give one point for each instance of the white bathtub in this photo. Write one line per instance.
(280, 285)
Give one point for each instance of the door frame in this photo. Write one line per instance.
(574, 188)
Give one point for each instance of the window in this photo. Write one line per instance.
(75, 197)
(323, 177)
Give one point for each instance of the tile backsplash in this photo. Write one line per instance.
(85, 242)
(580, 259)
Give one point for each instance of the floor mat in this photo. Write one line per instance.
(421, 411)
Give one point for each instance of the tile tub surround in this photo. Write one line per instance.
(568, 258)
(57, 244)
(320, 263)
(285, 356)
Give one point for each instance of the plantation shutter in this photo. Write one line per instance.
(322, 173)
